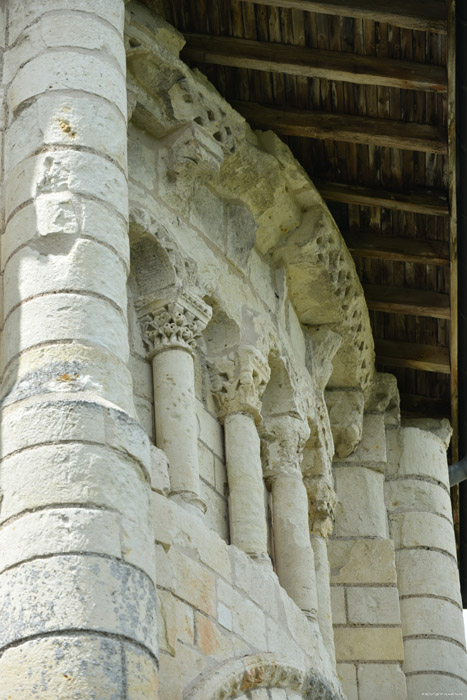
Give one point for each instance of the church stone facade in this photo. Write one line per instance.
(206, 488)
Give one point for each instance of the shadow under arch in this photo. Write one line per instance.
(267, 670)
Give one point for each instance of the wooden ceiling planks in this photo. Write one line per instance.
(378, 192)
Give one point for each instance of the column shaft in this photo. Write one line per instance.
(323, 587)
(248, 529)
(77, 576)
(293, 553)
(176, 424)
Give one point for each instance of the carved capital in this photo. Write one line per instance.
(193, 150)
(284, 438)
(322, 502)
(175, 323)
(238, 382)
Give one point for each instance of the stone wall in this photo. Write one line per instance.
(198, 457)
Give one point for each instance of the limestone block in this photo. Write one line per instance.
(360, 509)
(422, 572)
(123, 433)
(141, 372)
(435, 655)
(207, 215)
(347, 674)
(75, 71)
(65, 316)
(279, 640)
(72, 667)
(175, 622)
(261, 277)
(368, 644)
(216, 516)
(257, 582)
(372, 678)
(419, 452)
(248, 619)
(67, 120)
(210, 431)
(224, 616)
(86, 174)
(175, 672)
(220, 474)
(141, 674)
(145, 415)
(345, 410)
(59, 530)
(175, 525)
(74, 473)
(22, 13)
(241, 234)
(416, 495)
(56, 31)
(212, 640)
(432, 683)
(159, 471)
(362, 561)
(339, 616)
(48, 266)
(184, 577)
(64, 212)
(432, 616)
(423, 530)
(94, 594)
(372, 448)
(138, 546)
(206, 463)
(373, 606)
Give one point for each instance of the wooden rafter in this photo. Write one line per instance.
(343, 127)
(313, 63)
(428, 358)
(425, 202)
(414, 302)
(415, 250)
(424, 15)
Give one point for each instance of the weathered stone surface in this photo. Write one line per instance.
(362, 561)
(433, 616)
(373, 605)
(368, 644)
(346, 417)
(373, 678)
(360, 509)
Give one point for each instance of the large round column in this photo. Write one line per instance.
(170, 329)
(294, 560)
(238, 383)
(77, 575)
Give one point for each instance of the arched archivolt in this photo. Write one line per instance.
(239, 676)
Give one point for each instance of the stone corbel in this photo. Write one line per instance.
(192, 151)
(174, 323)
(284, 438)
(345, 408)
(238, 382)
(322, 501)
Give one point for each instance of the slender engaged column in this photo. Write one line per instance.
(238, 383)
(294, 558)
(322, 501)
(170, 330)
(77, 573)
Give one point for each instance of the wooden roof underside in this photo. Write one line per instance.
(362, 92)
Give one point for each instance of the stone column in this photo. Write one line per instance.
(238, 383)
(420, 518)
(77, 574)
(322, 501)
(283, 450)
(170, 329)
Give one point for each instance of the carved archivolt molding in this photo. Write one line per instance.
(267, 670)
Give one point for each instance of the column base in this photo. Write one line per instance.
(190, 501)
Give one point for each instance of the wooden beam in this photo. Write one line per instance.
(453, 277)
(421, 202)
(343, 127)
(313, 63)
(414, 302)
(424, 15)
(373, 245)
(427, 358)
(424, 406)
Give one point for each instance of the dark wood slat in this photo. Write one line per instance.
(427, 358)
(427, 202)
(423, 406)
(313, 63)
(343, 127)
(428, 15)
(374, 245)
(413, 302)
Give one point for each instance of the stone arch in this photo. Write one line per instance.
(268, 670)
